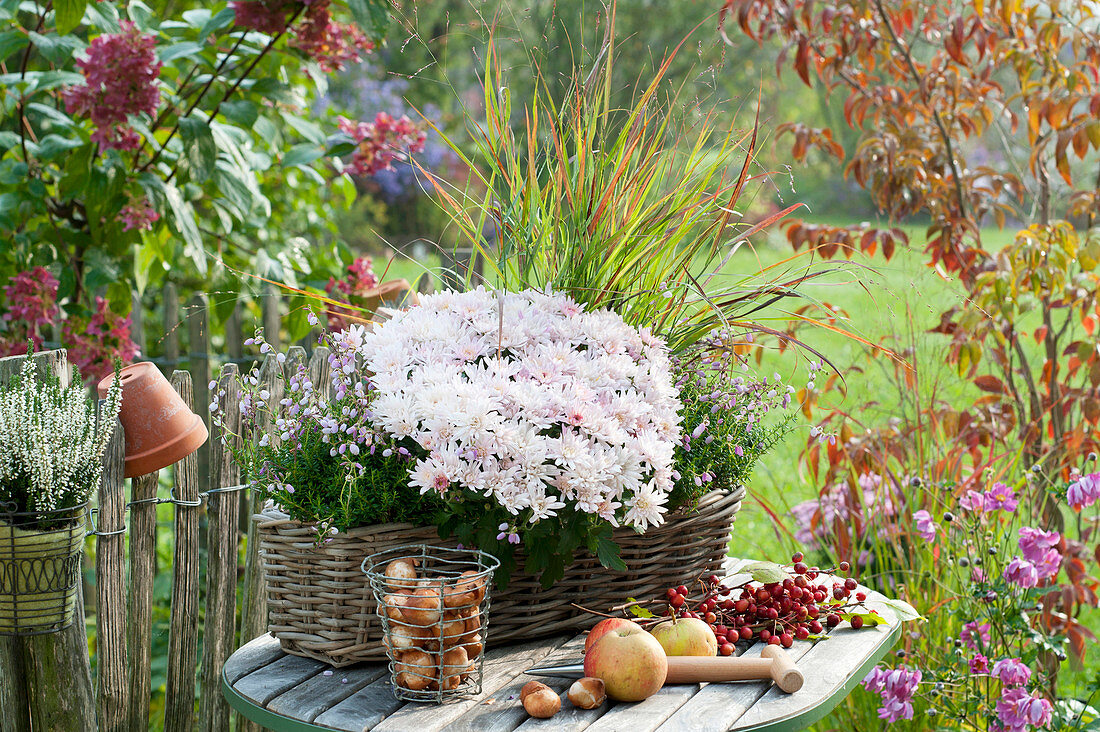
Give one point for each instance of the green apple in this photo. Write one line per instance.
(685, 637)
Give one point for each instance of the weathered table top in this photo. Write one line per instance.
(290, 693)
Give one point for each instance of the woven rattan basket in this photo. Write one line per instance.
(320, 603)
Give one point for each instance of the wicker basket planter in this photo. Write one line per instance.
(39, 570)
(320, 604)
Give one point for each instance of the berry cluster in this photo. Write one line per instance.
(779, 612)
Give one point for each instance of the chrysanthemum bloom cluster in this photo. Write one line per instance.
(30, 299)
(381, 142)
(1084, 491)
(120, 72)
(95, 344)
(529, 400)
(51, 442)
(1040, 559)
(358, 281)
(896, 687)
(138, 215)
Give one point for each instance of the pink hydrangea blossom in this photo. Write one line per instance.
(1012, 672)
(30, 299)
(381, 142)
(972, 634)
(266, 16)
(1017, 710)
(138, 215)
(332, 45)
(94, 345)
(1022, 573)
(120, 72)
(1084, 491)
(896, 687)
(925, 526)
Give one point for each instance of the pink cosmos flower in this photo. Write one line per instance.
(120, 79)
(1017, 710)
(1012, 672)
(1000, 496)
(974, 501)
(1021, 573)
(979, 664)
(896, 687)
(1084, 491)
(138, 215)
(972, 634)
(925, 526)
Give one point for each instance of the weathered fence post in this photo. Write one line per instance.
(34, 669)
(112, 682)
(137, 322)
(143, 569)
(221, 552)
(171, 325)
(183, 635)
(272, 315)
(198, 362)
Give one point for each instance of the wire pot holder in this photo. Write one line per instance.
(434, 606)
(40, 563)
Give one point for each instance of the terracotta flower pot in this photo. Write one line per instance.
(160, 429)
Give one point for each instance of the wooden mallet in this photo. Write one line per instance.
(773, 664)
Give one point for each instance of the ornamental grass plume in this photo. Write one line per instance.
(52, 440)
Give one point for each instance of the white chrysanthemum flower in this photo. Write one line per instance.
(556, 407)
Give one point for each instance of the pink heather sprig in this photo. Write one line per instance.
(94, 345)
(896, 687)
(1018, 710)
(138, 215)
(381, 142)
(120, 80)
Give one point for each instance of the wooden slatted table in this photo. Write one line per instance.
(289, 693)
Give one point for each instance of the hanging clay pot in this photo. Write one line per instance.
(160, 429)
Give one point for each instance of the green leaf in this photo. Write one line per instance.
(241, 112)
(68, 14)
(52, 114)
(902, 609)
(12, 41)
(869, 619)
(50, 146)
(142, 15)
(202, 153)
(8, 140)
(370, 15)
(56, 49)
(234, 188)
(766, 572)
(221, 19)
(179, 50)
(638, 611)
(302, 154)
(607, 551)
(12, 172)
(309, 130)
(104, 16)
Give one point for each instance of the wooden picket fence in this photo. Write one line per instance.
(46, 681)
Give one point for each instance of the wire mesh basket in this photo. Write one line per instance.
(434, 606)
(40, 562)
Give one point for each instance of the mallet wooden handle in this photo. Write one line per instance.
(773, 664)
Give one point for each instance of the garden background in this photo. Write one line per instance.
(311, 150)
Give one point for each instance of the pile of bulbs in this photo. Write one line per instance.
(435, 624)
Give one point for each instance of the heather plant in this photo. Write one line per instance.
(51, 441)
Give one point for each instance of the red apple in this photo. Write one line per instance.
(605, 626)
(685, 637)
(629, 661)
